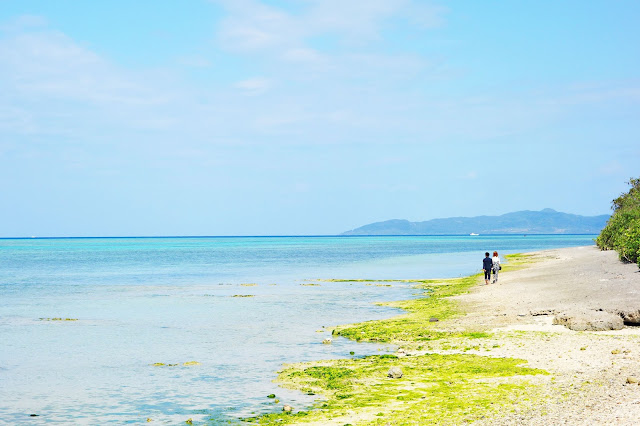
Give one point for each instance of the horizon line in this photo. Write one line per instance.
(283, 236)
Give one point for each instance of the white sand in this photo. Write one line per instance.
(589, 369)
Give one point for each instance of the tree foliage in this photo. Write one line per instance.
(622, 232)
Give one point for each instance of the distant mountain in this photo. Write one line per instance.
(547, 221)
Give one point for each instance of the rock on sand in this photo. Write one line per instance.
(586, 320)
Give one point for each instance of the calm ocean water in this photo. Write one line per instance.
(140, 301)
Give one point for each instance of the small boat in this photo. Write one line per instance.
(473, 234)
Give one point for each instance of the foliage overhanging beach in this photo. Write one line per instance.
(622, 232)
(465, 360)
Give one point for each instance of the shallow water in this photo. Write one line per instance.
(171, 300)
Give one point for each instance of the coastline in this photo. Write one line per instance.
(497, 341)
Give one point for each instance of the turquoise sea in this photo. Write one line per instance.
(239, 306)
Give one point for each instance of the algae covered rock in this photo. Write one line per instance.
(186, 364)
(58, 319)
(395, 372)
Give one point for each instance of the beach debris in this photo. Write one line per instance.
(271, 395)
(615, 351)
(244, 295)
(433, 319)
(249, 285)
(542, 312)
(395, 373)
(401, 352)
(33, 415)
(287, 408)
(589, 320)
(632, 380)
(327, 341)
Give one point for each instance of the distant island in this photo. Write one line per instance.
(546, 221)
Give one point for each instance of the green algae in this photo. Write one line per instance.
(244, 295)
(414, 326)
(58, 319)
(185, 364)
(520, 260)
(433, 387)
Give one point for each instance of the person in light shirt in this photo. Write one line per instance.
(495, 263)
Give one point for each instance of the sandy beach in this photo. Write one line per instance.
(575, 376)
(590, 369)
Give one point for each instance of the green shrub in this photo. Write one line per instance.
(622, 232)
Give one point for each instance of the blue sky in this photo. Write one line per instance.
(247, 117)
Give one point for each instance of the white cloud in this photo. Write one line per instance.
(305, 55)
(254, 26)
(254, 86)
(301, 187)
(51, 64)
(194, 61)
(51, 84)
(471, 175)
(354, 21)
(23, 22)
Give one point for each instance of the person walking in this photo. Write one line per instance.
(487, 265)
(495, 263)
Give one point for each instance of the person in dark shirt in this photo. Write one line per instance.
(487, 264)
